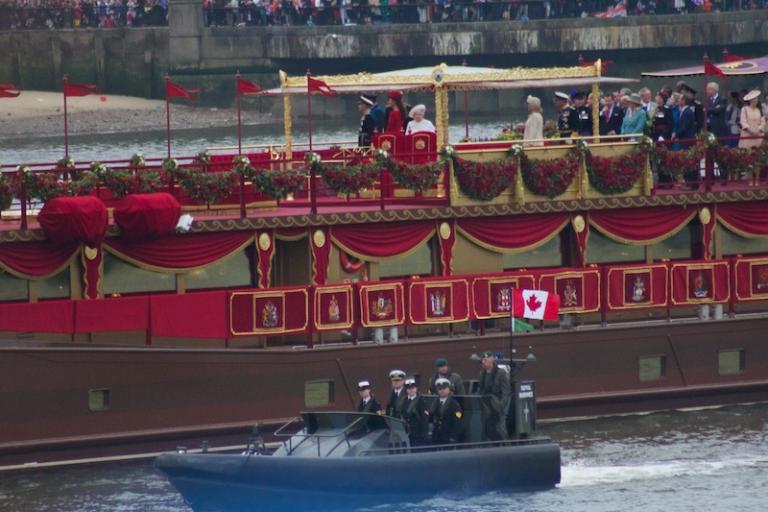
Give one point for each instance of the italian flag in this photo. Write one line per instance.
(536, 304)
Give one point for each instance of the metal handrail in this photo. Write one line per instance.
(462, 446)
(345, 432)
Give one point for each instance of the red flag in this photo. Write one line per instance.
(246, 87)
(536, 304)
(315, 85)
(9, 91)
(173, 90)
(71, 89)
(711, 69)
(734, 58)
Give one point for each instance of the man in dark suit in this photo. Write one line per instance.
(687, 124)
(416, 415)
(699, 117)
(716, 106)
(398, 396)
(610, 117)
(367, 121)
(446, 413)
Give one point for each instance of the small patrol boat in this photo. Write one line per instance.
(346, 460)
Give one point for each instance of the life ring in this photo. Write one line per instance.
(348, 265)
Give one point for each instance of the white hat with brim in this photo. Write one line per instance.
(363, 384)
(367, 101)
(397, 374)
(443, 383)
(751, 95)
(562, 96)
(410, 382)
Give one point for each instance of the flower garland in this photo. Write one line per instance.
(279, 184)
(208, 187)
(348, 179)
(615, 175)
(7, 192)
(41, 186)
(119, 183)
(137, 160)
(549, 177)
(737, 162)
(484, 181)
(676, 163)
(66, 163)
(83, 185)
(203, 157)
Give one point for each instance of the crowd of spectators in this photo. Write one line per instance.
(53, 14)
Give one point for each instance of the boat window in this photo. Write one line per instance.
(55, 287)
(98, 399)
(735, 244)
(122, 277)
(652, 367)
(731, 361)
(417, 263)
(12, 288)
(547, 255)
(601, 249)
(229, 272)
(318, 393)
(673, 248)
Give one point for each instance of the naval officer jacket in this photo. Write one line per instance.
(397, 403)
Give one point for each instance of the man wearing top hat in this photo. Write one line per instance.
(416, 414)
(568, 120)
(367, 401)
(446, 413)
(443, 371)
(367, 121)
(398, 395)
(494, 388)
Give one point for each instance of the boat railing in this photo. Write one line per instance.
(345, 432)
(457, 446)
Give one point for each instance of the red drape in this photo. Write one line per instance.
(36, 259)
(636, 286)
(492, 293)
(265, 246)
(74, 219)
(749, 220)
(438, 301)
(147, 215)
(193, 315)
(54, 316)
(179, 252)
(579, 289)
(513, 233)
(262, 312)
(641, 226)
(695, 282)
(104, 315)
(374, 242)
(446, 231)
(92, 261)
(321, 254)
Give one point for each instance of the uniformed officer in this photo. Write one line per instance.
(446, 413)
(496, 394)
(443, 371)
(367, 121)
(416, 415)
(398, 396)
(367, 401)
(583, 114)
(567, 122)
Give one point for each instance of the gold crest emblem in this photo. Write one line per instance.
(705, 216)
(265, 242)
(445, 230)
(319, 238)
(579, 224)
(420, 144)
(91, 253)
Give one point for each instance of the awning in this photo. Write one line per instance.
(744, 67)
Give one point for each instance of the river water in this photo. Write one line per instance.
(706, 460)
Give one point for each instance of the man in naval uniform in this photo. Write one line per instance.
(443, 371)
(367, 401)
(583, 114)
(416, 415)
(398, 396)
(568, 121)
(446, 413)
(367, 121)
(494, 388)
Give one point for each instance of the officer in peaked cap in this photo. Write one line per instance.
(568, 120)
(398, 395)
(446, 413)
(367, 401)
(416, 414)
(367, 121)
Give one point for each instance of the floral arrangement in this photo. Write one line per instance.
(349, 179)
(280, 184)
(172, 169)
(507, 133)
(208, 187)
(148, 182)
(137, 160)
(484, 180)
(241, 164)
(549, 177)
(737, 162)
(42, 186)
(119, 183)
(7, 191)
(83, 185)
(99, 169)
(415, 177)
(203, 157)
(66, 163)
(615, 175)
(676, 163)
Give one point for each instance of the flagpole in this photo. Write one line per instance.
(167, 118)
(511, 327)
(309, 111)
(64, 81)
(312, 184)
(239, 126)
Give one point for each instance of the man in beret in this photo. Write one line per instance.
(444, 372)
(494, 388)
(446, 413)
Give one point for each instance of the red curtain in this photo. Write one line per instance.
(641, 226)
(104, 315)
(147, 215)
(374, 242)
(695, 282)
(263, 312)
(491, 294)
(179, 252)
(579, 289)
(514, 233)
(54, 316)
(193, 315)
(438, 301)
(749, 220)
(92, 261)
(36, 259)
(265, 246)
(74, 219)
(636, 286)
(446, 231)
(321, 254)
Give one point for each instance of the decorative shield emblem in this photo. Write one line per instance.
(420, 144)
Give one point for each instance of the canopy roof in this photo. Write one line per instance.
(744, 67)
(452, 77)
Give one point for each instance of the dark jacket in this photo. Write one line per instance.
(372, 406)
(716, 121)
(687, 126)
(613, 123)
(447, 421)
(584, 116)
(568, 122)
(367, 127)
(699, 116)
(396, 404)
(456, 381)
(379, 118)
(662, 123)
(494, 387)
(416, 416)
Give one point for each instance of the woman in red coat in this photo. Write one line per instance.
(396, 113)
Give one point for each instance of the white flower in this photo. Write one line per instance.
(382, 153)
(517, 150)
(23, 169)
(448, 150)
(313, 158)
